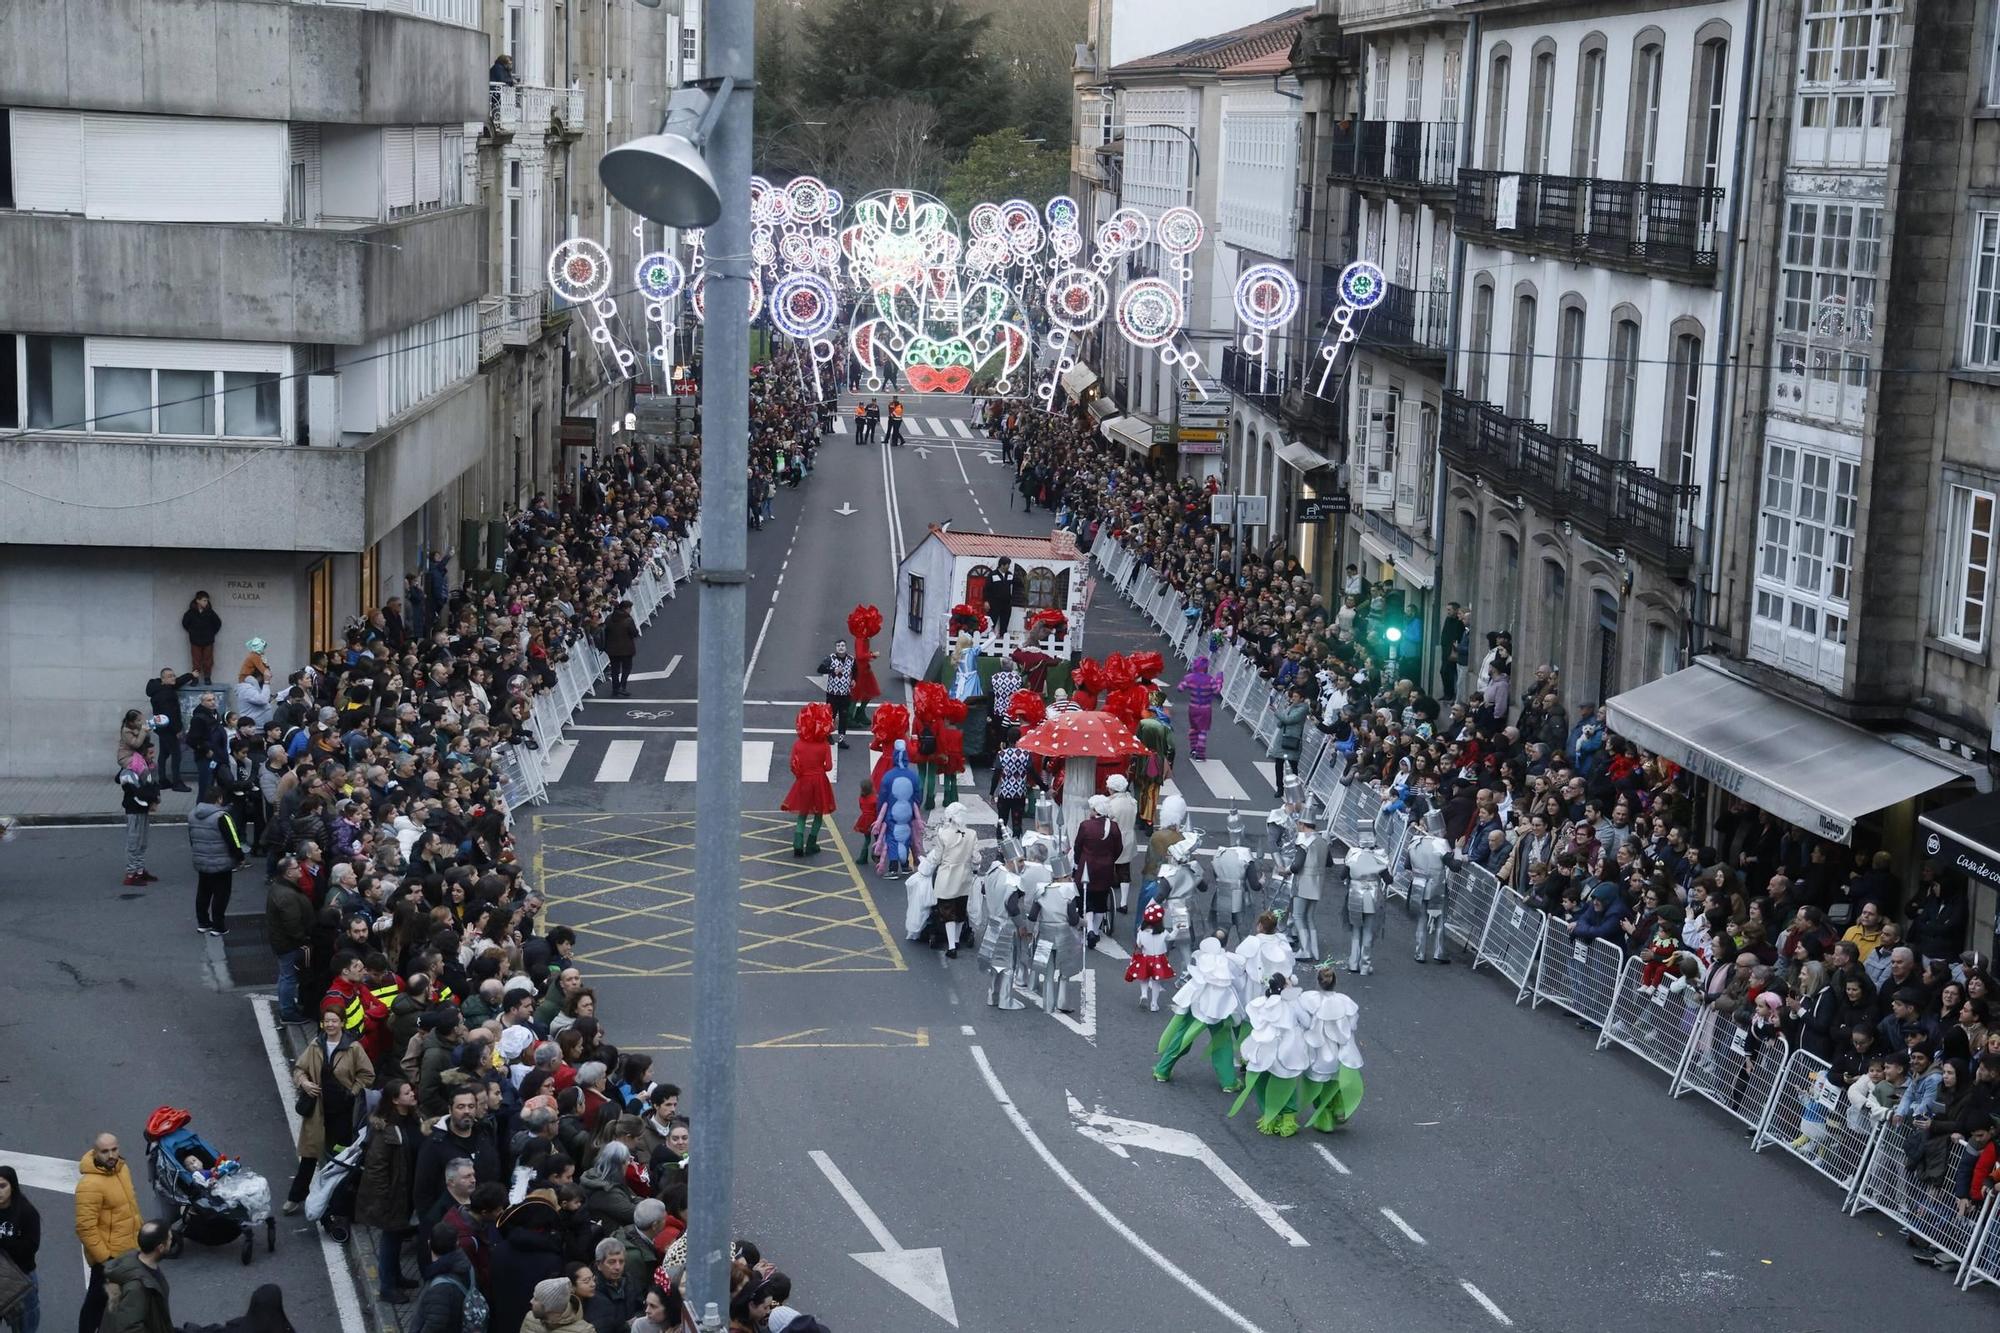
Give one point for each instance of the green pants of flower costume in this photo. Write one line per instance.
(802, 841)
(1329, 1105)
(1276, 1098)
(1183, 1032)
(931, 774)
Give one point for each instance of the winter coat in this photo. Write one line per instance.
(142, 1297)
(307, 829)
(214, 839)
(441, 1306)
(569, 1321)
(253, 700)
(641, 1255)
(139, 792)
(388, 1166)
(202, 625)
(613, 1308)
(612, 1203)
(1291, 730)
(432, 1095)
(955, 847)
(530, 1251)
(333, 1112)
(621, 635)
(1937, 925)
(107, 1210)
(288, 917)
(441, 1147)
(20, 1232)
(165, 701)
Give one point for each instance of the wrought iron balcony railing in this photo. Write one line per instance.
(1669, 229)
(1420, 154)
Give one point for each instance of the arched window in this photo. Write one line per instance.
(1555, 607)
(1479, 365)
(1046, 589)
(1541, 106)
(1567, 418)
(1507, 600)
(1587, 132)
(1521, 354)
(1642, 115)
(1465, 555)
(1605, 632)
(1500, 71)
(1708, 103)
(1621, 383)
(1682, 418)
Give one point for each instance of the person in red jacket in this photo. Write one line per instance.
(811, 796)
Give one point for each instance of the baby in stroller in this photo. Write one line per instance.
(204, 1193)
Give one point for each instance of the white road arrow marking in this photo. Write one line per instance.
(918, 1274)
(923, 452)
(990, 456)
(1084, 1022)
(847, 509)
(1119, 1134)
(672, 664)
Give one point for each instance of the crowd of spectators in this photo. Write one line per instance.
(1783, 932)
(510, 1154)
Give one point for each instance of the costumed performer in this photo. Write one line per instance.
(864, 623)
(890, 724)
(1202, 690)
(1332, 1088)
(1149, 966)
(811, 796)
(1275, 1057)
(1094, 852)
(1155, 766)
(1238, 874)
(899, 825)
(1210, 1001)
(1124, 812)
(1266, 953)
(953, 844)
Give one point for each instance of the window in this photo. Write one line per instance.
(1507, 603)
(1607, 644)
(1683, 414)
(1555, 600)
(1826, 308)
(1662, 651)
(1378, 87)
(1966, 569)
(319, 608)
(1521, 358)
(1494, 147)
(1479, 366)
(1568, 415)
(1805, 550)
(10, 382)
(1982, 335)
(54, 374)
(1047, 590)
(6, 159)
(370, 572)
(1621, 388)
(1642, 128)
(515, 277)
(1465, 558)
(916, 604)
(249, 402)
(1992, 91)
(1541, 109)
(1708, 106)
(690, 45)
(1846, 80)
(1406, 247)
(124, 400)
(187, 402)
(1454, 66)
(1589, 128)
(1413, 84)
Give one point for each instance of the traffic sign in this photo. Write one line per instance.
(1318, 509)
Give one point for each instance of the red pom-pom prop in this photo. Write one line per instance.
(864, 621)
(891, 723)
(1147, 665)
(814, 722)
(1027, 708)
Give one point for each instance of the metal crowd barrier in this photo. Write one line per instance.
(1655, 1023)
(1325, 784)
(1810, 1119)
(1512, 941)
(1236, 690)
(1470, 897)
(1982, 1262)
(1719, 1064)
(1930, 1212)
(1581, 976)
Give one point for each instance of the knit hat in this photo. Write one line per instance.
(1155, 914)
(553, 1295)
(255, 645)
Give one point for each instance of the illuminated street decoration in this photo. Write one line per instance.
(580, 273)
(805, 307)
(1361, 289)
(660, 278)
(1266, 298)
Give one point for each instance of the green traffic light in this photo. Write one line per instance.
(1392, 634)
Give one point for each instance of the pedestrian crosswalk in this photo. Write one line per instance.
(919, 428)
(603, 757)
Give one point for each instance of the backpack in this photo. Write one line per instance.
(473, 1318)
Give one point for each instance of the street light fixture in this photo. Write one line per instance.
(663, 177)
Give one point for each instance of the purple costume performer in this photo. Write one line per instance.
(1202, 690)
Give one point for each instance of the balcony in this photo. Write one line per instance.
(492, 319)
(521, 316)
(556, 113)
(1251, 380)
(1668, 230)
(237, 282)
(1418, 155)
(1616, 503)
(1410, 324)
(1370, 15)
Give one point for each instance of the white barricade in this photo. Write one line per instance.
(1722, 1064)
(1512, 941)
(1143, 586)
(1652, 1022)
(1392, 835)
(1236, 691)
(1265, 728)
(1470, 894)
(1581, 976)
(1359, 804)
(1811, 1120)
(1324, 786)
(1313, 749)
(1982, 1263)
(1929, 1211)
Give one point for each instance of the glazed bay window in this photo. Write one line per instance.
(1965, 567)
(1805, 562)
(1826, 309)
(1982, 316)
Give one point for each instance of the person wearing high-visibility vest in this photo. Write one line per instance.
(860, 423)
(895, 421)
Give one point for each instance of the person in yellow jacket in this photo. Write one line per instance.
(107, 1218)
(895, 421)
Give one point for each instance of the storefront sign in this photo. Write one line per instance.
(577, 432)
(1200, 446)
(1318, 509)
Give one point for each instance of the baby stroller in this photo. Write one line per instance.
(205, 1195)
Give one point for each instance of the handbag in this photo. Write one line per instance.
(14, 1285)
(305, 1104)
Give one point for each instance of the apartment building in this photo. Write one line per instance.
(273, 317)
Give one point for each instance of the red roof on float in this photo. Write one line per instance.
(1058, 545)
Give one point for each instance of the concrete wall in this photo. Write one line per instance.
(82, 631)
(70, 275)
(250, 58)
(276, 497)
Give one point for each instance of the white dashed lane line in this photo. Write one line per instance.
(1332, 1161)
(1487, 1304)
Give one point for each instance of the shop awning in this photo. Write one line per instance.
(1801, 765)
(1302, 458)
(1102, 407)
(1131, 432)
(1078, 378)
(1966, 837)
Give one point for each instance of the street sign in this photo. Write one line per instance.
(1162, 432)
(1204, 433)
(1250, 510)
(1320, 508)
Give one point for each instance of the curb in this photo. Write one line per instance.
(94, 818)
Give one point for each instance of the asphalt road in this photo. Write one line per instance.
(1500, 1170)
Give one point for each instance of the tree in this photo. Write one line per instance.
(888, 143)
(927, 51)
(1005, 165)
(1034, 44)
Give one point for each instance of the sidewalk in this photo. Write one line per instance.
(80, 801)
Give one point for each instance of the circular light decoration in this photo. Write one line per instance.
(698, 297)
(579, 270)
(1267, 297)
(1134, 226)
(1111, 241)
(826, 251)
(984, 219)
(660, 276)
(1061, 212)
(762, 250)
(1362, 285)
(1066, 242)
(808, 197)
(1076, 299)
(986, 253)
(1150, 312)
(797, 248)
(769, 208)
(803, 306)
(1018, 213)
(1026, 239)
(1180, 231)
(835, 202)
